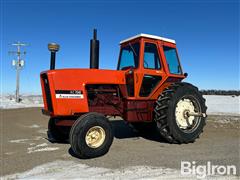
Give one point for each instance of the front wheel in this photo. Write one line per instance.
(91, 135)
(180, 113)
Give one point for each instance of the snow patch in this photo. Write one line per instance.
(25, 140)
(41, 147)
(223, 105)
(33, 126)
(75, 170)
(30, 150)
(42, 131)
(19, 141)
(38, 138)
(8, 102)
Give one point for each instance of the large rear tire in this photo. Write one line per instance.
(180, 113)
(91, 135)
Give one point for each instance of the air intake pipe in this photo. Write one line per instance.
(94, 51)
(53, 48)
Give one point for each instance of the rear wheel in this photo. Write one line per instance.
(180, 113)
(91, 135)
(57, 133)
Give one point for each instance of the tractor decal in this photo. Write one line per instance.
(69, 94)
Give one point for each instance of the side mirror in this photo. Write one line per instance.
(185, 74)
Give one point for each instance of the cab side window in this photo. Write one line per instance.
(172, 60)
(151, 57)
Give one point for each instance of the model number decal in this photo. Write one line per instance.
(78, 94)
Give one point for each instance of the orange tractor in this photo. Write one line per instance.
(146, 89)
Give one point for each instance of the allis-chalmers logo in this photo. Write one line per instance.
(74, 94)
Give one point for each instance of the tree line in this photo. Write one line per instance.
(220, 92)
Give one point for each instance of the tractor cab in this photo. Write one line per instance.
(148, 61)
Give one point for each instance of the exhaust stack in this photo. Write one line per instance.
(94, 51)
(53, 48)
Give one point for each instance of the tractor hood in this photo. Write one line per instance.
(64, 90)
(74, 77)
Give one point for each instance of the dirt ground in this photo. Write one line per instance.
(24, 145)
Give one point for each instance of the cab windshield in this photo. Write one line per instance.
(129, 56)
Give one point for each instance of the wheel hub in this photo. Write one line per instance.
(95, 137)
(183, 108)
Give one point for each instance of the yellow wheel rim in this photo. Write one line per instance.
(95, 137)
(184, 106)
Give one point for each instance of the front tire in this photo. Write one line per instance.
(180, 113)
(91, 135)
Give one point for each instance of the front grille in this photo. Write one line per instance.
(47, 92)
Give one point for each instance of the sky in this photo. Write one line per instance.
(206, 33)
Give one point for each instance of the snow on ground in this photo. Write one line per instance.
(75, 170)
(8, 102)
(33, 147)
(223, 105)
(217, 105)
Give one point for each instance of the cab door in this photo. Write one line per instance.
(151, 70)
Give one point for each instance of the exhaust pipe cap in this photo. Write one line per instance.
(53, 47)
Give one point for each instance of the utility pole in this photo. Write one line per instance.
(18, 64)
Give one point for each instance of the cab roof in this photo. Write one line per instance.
(148, 36)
